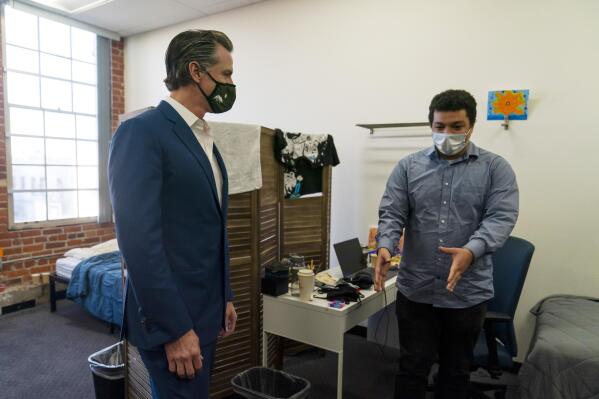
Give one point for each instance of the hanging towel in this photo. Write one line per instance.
(239, 145)
(303, 156)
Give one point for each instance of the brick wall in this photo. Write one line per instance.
(35, 250)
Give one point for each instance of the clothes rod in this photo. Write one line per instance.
(373, 126)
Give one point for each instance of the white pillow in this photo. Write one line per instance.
(85, 253)
(104, 247)
(80, 253)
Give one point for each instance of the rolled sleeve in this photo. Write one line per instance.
(477, 247)
(501, 211)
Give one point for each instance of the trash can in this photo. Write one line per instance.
(266, 383)
(108, 371)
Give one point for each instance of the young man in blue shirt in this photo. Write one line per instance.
(456, 204)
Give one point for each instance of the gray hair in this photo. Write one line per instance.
(192, 46)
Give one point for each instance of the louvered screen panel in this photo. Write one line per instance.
(138, 381)
(270, 249)
(306, 225)
(305, 231)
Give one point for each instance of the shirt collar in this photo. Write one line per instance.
(188, 116)
(472, 152)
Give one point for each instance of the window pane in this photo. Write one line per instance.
(87, 127)
(54, 66)
(56, 94)
(27, 150)
(87, 153)
(55, 38)
(84, 45)
(26, 121)
(62, 205)
(88, 203)
(21, 28)
(23, 89)
(62, 177)
(29, 207)
(85, 99)
(60, 152)
(28, 178)
(88, 177)
(21, 59)
(83, 72)
(60, 125)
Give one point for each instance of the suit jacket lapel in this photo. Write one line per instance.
(183, 131)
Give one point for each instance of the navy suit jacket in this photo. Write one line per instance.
(170, 228)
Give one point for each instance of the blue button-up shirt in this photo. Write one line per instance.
(469, 202)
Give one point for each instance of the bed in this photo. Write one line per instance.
(563, 359)
(94, 280)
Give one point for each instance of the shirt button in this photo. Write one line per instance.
(444, 202)
(442, 221)
(440, 240)
(447, 184)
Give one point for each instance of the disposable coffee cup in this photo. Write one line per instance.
(306, 283)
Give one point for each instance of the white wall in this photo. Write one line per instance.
(321, 66)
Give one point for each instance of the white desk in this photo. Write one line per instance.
(317, 324)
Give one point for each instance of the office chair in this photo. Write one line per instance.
(497, 345)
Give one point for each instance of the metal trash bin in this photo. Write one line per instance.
(108, 370)
(267, 383)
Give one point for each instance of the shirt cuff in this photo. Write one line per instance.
(477, 247)
(387, 243)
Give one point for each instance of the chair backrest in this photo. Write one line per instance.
(510, 266)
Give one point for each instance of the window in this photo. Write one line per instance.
(51, 98)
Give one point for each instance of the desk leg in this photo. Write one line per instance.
(264, 349)
(340, 375)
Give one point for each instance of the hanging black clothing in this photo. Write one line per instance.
(303, 156)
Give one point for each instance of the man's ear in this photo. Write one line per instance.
(194, 70)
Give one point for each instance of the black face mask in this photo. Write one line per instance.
(222, 97)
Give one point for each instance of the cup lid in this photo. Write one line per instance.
(305, 272)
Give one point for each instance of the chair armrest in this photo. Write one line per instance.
(496, 317)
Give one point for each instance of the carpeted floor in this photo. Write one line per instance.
(43, 355)
(367, 372)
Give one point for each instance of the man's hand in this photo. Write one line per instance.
(183, 355)
(461, 259)
(383, 262)
(230, 321)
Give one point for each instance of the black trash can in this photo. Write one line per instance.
(266, 383)
(108, 371)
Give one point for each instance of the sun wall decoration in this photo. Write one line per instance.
(507, 105)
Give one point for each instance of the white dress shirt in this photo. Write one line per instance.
(202, 132)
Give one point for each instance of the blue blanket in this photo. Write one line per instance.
(96, 284)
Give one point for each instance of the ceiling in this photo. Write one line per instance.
(129, 17)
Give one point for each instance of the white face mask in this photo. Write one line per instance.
(449, 144)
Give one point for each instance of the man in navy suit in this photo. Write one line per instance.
(168, 186)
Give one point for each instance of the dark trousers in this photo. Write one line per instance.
(428, 335)
(167, 385)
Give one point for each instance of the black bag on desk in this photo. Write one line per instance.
(342, 292)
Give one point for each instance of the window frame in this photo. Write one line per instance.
(100, 97)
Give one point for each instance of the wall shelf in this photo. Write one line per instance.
(374, 126)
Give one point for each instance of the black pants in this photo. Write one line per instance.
(428, 335)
